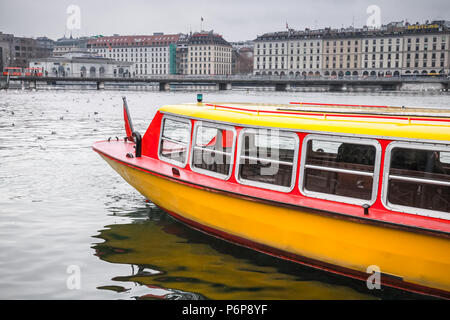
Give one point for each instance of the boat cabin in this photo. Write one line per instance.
(394, 160)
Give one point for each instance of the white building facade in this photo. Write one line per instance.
(79, 64)
(150, 55)
(208, 54)
(288, 53)
(393, 50)
(426, 53)
(341, 56)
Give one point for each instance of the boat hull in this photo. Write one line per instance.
(407, 260)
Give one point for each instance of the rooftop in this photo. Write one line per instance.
(385, 30)
(139, 40)
(208, 37)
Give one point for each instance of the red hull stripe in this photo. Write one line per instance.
(340, 104)
(397, 226)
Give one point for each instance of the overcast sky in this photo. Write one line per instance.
(234, 19)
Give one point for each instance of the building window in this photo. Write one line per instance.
(267, 159)
(174, 140)
(341, 169)
(417, 179)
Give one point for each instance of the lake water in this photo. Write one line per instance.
(71, 228)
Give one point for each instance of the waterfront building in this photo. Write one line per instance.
(82, 64)
(382, 55)
(270, 54)
(288, 53)
(66, 45)
(46, 44)
(427, 49)
(208, 54)
(304, 55)
(341, 52)
(394, 49)
(242, 60)
(182, 54)
(6, 55)
(242, 57)
(150, 54)
(17, 51)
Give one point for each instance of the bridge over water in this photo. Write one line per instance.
(279, 83)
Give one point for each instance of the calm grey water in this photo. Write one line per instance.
(66, 218)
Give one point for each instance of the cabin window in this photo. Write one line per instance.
(213, 149)
(417, 179)
(340, 169)
(267, 159)
(174, 142)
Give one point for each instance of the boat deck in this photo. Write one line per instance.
(363, 121)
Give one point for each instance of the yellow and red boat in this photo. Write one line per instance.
(344, 188)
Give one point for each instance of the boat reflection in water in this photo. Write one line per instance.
(171, 261)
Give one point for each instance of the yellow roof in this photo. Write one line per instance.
(403, 123)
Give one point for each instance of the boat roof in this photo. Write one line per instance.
(402, 123)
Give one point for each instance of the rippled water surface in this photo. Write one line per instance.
(64, 210)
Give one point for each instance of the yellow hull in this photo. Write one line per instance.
(148, 244)
(420, 260)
